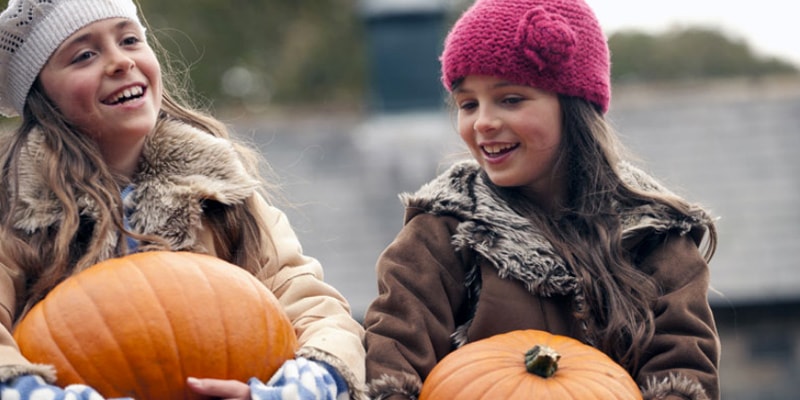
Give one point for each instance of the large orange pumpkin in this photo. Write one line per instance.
(528, 364)
(138, 326)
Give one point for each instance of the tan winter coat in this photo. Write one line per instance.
(183, 167)
(465, 266)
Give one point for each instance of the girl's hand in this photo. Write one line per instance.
(297, 379)
(220, 388)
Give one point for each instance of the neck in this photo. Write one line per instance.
(549, 197)
(123, 161)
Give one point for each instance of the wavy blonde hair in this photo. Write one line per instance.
(73, 164)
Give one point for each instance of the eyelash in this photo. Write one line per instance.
(130, 40)
(126, 41)
(508, 100)
(84, 55)
(467, 105)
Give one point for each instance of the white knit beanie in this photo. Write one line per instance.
(31, 30)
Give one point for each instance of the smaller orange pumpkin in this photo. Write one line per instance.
(138, 326)
(527, 364)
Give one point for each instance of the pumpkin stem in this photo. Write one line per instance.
(542, 361)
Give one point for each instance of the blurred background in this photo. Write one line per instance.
(343, 100)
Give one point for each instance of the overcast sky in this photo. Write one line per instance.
(770, 27)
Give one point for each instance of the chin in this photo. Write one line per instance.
(503, 182)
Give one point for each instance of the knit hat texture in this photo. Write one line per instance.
(555, 45)
(31, 30)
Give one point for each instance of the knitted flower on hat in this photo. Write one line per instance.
(555, 45)
(31, 30)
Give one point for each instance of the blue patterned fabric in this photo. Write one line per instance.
(33, 387)
(297, 379)
(301, 379)
(133, 244)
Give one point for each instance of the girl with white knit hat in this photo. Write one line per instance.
(106, 162)
(547, 227)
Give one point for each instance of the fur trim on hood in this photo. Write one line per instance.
(517, 248)
(180, 167)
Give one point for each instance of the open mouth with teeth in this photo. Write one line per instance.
(498, 149)
(126, 95)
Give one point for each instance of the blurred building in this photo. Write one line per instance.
(733, 146)
(403, 46)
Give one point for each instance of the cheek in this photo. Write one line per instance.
(465, 129)
(152, 70)
(545, 134)
(69, 91)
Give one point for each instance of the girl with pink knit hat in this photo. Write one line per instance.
(548, 226)
(108, 161)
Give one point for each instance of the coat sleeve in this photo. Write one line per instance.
(420, 290)
(12, 362)
(683, 358)
(321, 316)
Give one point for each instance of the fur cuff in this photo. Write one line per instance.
(9, 372)
(387, 386)
(673, 385)
(357, 390)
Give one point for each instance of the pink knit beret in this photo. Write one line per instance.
(555, 45)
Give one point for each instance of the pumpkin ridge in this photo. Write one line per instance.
(520, 385)
(45, 321)
(149, 280)
(619, 387)
(275, 337)
(583, 366)
(514, 384)
(573, 390)
(126, 276)
(194, 356)
(150, 273)
(99, 323)
(226, 328)
(223, 318)
(481, 384)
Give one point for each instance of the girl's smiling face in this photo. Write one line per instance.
(106, 80)
(514, 132)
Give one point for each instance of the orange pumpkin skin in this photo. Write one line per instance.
(494, 368)
(138, 326)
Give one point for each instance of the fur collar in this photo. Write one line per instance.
(180, 167)
(517, 248)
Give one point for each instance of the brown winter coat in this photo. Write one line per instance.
(182, 167)
(465, 267)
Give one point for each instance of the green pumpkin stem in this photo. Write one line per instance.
(542, 361)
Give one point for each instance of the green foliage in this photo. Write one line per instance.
(257, 52)
(686, 53)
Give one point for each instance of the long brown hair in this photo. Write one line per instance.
(73, 164)
(619, 295)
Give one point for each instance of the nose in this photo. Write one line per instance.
(487, 121)
(118, 62)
